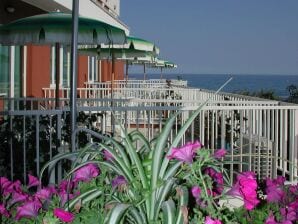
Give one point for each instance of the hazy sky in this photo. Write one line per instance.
(219, 36)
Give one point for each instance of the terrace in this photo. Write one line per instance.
(260, 135)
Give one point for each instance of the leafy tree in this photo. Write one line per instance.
(293, 92)
(266, 94)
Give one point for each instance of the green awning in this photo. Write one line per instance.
(56, 27)
(119, 53)
(137, 44)
(164, 64)
(135, 50)
(169, 64)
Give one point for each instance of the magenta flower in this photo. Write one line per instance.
(33, 181)
(18, 197)
(185, 153)
(246, 187)
(4, 183)
(274, 189)
(45, 193)
(289, 214)
(86, 173)
(3, 211)
(28, 210)
(11, 187)
(220, 153)
(63, 215)
(218, 180)
(294, 189)
(294, 205)
(270, 219)
(64, 184)
(209, 220)
(107, 155)
(119, 181)
(64, 197)
(196, 192)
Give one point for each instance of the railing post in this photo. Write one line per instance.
(37, 145)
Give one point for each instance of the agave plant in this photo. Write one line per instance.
(152, 192)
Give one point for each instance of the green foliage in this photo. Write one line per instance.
(293, 92)
(266, 94)
(151, 177)
(20, 131)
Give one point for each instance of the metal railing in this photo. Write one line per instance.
(260, 135)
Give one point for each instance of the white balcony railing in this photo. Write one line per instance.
(260, 135)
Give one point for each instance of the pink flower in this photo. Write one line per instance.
(289, 214)
(6, 186)
(218, 180)
(220, 153)
(11, 187)
(294, 189)
(64, 197)
(208, 220)
(270, 219)
(64, 184)
(28, 210)
(33, 181)
(4, 183)
(18, 197)
(63, 215)
(86, 173)
(274, 189)
(196, 191)
(246, 187)
(119, 181)
(45, 193)
(3, 211)
(107, 155)
(185, 153)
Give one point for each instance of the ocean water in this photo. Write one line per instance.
(251, 83)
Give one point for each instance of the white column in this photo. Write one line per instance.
(68, 70)
(24, 71)
(61, 66)
(11, 70)
(52, 84)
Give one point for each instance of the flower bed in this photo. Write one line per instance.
(158, 182)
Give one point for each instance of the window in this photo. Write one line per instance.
(17, 72)
(4, 68)
(6, 75)
(92, 69)
(64, 66)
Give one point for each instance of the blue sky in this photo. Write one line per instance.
(219, 36)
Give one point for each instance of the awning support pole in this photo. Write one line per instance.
(144, 71)
(73, 71)
(57, 74)
(126, 75)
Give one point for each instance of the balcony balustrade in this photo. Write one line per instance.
(260, 135)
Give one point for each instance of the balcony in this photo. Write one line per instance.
(260, 135)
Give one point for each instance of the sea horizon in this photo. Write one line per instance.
(240, 82)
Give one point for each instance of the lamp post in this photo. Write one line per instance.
(74, 71)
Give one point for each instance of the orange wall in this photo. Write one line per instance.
(1, 105)
(82, 70)
(38, 69)
(120, 66)
(106, 70)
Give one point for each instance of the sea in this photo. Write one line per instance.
(251, 83)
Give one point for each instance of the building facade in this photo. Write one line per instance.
(26, 70)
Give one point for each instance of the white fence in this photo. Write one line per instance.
(260, 135)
